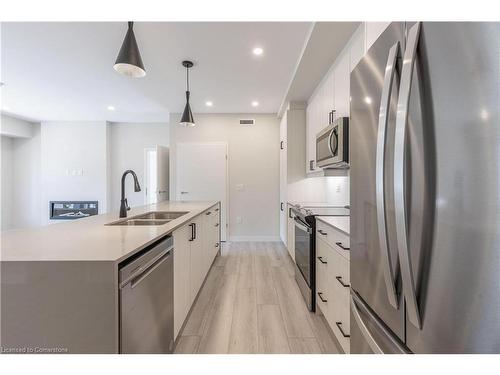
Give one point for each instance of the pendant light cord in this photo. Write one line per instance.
(187, 78)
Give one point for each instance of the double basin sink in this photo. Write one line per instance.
(150, 218)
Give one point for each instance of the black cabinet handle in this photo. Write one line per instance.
(322, 261)
(194, 228)
(322, 233)
(339, 244)
(339, 279)
(216, 210)
(216, 224)
(281, 145)
(320, 295)
(290, 213)
(217, 245)
(192, 232)
(311, 168)
(339, 326)
(208, 213)
(281, 206)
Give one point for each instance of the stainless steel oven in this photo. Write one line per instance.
(304, 260)
(332, 145)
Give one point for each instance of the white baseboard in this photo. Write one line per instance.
(254, 239)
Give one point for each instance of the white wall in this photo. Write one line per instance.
(253, 162)
(7, 193)
(21, 189)
(73, 163)
(126, 149)
(27, 179)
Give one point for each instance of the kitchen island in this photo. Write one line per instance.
(59, 283)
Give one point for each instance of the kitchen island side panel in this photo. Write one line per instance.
(59, 307)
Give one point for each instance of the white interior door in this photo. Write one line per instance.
(201, 170)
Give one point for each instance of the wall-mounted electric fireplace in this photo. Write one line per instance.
(69, 210)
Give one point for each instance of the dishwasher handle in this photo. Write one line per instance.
(145, 270)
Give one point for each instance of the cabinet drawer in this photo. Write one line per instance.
(335, 238)
(338, 283)
(322, 276)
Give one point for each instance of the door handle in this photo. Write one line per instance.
(399, 174)
(339, 279)
(339, 244)
(322, 233)
(184, 192)
(290, 213)
(216, 224)
(311, 163)
(339, 326)
(217, 245)
(320, 295)
(383, 119)
(321, 260)
(281, 206)
(208, 213)
(281, 146)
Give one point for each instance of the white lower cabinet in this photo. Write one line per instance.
(195, 246)
(332, 288)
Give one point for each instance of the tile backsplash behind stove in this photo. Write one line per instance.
(334, 190)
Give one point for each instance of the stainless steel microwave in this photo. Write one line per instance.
(332, 145)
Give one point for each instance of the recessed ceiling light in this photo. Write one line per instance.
(258, 51)
(209, 103)
(368, 100)
(255, 104)
(111, 108)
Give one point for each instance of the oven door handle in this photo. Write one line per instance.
(301, 225)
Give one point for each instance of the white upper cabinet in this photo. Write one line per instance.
(373, 31)
(357, 50)
(342, 78)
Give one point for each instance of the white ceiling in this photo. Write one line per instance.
(64, 71)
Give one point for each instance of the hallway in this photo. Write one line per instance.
(250, 303)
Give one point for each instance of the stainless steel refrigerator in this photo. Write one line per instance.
(425, 190)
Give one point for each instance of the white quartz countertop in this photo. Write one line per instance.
(89, 239)
(339, 222)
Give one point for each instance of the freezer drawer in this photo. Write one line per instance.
(369, 334)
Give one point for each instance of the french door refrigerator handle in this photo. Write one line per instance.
(390, 71)
(399, 170)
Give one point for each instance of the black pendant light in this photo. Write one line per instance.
(129, 60)
(187, 116)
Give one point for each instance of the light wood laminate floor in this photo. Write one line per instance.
(250, 303)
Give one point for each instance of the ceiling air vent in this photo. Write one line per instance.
(247, 122)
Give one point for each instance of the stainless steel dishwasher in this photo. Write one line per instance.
(147, 301)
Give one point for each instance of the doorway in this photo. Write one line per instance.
(156, 174)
